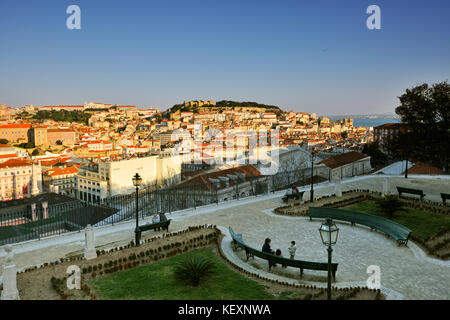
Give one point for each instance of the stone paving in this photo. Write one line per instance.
(238, 258)
(357, 248)
(406, 272)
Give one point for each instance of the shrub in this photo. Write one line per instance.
(193, 270)
(390, 204)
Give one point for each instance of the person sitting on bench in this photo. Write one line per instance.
(294, 189)
(278, 254)
(156, 218)
(266, 246)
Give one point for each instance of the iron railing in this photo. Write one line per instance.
(22, 225)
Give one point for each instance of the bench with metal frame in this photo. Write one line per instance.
(445, 196)
(273, 259)
(411, 191)
(296, 196)
(155, 226)
(393, 229)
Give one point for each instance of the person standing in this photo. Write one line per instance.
(292, 248)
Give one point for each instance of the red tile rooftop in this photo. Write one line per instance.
(62, 171)
(15, 163)
(343, 159)
(61, 107)
(424, 168)
(60, 130)
(8, 156)
(203, 179)
(15, 126)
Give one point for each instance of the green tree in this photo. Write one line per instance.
(425, 111)
(59, 142)
(35, 152)
(344, 135)
(4, 141)
(377, 157)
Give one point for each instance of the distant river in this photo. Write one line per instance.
(367, 122)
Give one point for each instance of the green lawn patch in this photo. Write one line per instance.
(423, 224)
(157, 282)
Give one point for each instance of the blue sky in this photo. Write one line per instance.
(312, 56)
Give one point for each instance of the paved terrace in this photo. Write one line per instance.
(406, 272)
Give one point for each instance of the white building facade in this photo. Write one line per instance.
(98, 181)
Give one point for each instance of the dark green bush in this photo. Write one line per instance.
(390, 204)
(193, 270)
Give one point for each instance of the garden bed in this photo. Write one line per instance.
(48, 281)
(119, 274)
(430, 230)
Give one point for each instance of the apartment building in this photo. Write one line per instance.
(60, 180)
(385, 132)
(97, 181)
(66, 136)
(347, 165)
(19, 178)
(15, 133)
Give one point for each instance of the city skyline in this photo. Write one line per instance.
(316, 58)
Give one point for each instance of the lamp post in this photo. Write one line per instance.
(137, 181)
(313, 156)
(329, 233)
(406, 169)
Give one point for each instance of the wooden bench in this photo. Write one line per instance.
(393, 229)
(154, 226)
(296, 196)
(273, 259)
(445, 196)
(411, 191)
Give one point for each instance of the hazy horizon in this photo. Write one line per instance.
(316, 57)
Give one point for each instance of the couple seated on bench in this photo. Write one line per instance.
(158, 217)
(267, 249)
(292, 190)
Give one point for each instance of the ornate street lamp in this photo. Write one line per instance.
(329, 233)
(137, 181)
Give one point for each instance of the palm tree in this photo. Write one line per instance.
(193, 269)
(390, 204)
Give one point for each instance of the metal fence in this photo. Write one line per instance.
(28, 223)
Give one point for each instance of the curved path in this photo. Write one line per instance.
(239, 259)
(406, 271)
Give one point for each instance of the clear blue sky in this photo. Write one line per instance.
(313, 56)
